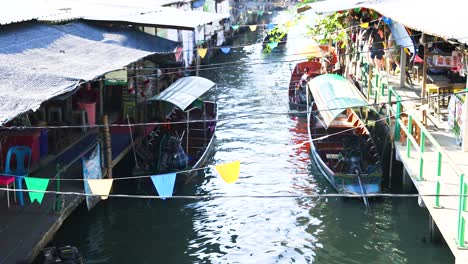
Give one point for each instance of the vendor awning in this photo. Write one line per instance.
(185, 91)
(42, 61)
(432, 17)
(333, 94)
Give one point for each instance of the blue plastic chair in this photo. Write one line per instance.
(21, 153)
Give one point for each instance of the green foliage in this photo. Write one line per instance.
(329, 30)
(275, 35)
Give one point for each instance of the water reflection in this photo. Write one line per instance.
(247, 230)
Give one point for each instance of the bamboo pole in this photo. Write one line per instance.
(107, 142)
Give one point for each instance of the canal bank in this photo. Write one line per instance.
(245, 230)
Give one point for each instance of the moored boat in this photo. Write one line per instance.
(339, 121)
(185, 141)
(322, 59)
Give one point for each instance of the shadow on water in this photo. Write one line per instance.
(254, 230)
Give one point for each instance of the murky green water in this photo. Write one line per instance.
(249, 230)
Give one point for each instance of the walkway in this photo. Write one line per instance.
(424, 160)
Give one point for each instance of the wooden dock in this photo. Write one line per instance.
(26, 230)
(431, 159)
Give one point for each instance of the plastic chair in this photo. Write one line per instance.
(21, 154)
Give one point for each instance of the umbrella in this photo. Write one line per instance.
(328, 53)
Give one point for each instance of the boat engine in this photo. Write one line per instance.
(353, 162)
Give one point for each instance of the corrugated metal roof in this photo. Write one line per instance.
(162, 17)
(27, 10)
(42, 61)
(434, 17)
(185, 91)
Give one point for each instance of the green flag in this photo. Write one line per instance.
(36, 184)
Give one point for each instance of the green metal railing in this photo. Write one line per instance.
(381, 91)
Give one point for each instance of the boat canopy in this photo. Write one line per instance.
(185, 91)
(333, 94)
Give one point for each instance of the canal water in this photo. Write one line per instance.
(254, 230)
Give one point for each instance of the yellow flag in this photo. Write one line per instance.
(229, 171)
(253, 27)
(101, 187)
(288, 24)
(364, 25)
(202, 52)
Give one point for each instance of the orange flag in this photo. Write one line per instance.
(229, 171)
(101, 187)
(202, 52)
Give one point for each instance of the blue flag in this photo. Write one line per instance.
(272, 45)
(225, 50)
(270, 26)
(164, 184)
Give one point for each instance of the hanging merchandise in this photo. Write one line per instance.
(36, 184)
(92, 170)
(164, 184)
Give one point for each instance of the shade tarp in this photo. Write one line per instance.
(42, 61)
(333, 94)
(432, 17)
(185, 91)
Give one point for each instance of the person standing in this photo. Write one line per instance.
(376, 45)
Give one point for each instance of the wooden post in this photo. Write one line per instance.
(402, 67)
(135, 83)
(101, 98)
(464, 131)
(107, 142)
(197, 58)
(423, 92)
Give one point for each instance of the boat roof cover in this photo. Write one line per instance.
(333, 94)
(433, 17)
(43, 61)
(185, 91)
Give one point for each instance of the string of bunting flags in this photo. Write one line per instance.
(226, 49)
(100, 188)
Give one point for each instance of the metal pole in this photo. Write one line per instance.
(187, 135)
(423, 92)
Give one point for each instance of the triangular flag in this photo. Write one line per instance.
(253, 27)
(260, 13)
(225, 50)
(230, 8)
(164, 184)
(235, 27)
(272, 45)
(229, 171)
(270, 26)
(269, 12)
(100, 187)
(202, 52)
(418, 59)
(364, 25)
(289, 24)
(249, 12)
(36, 184)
